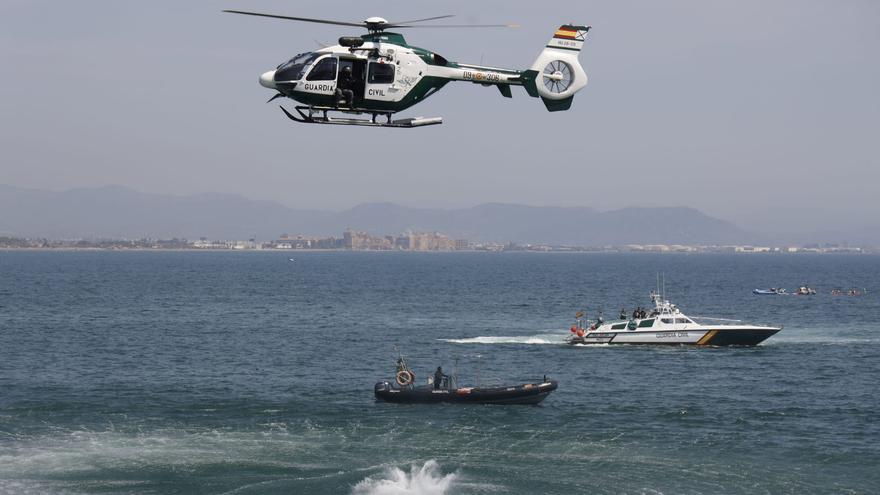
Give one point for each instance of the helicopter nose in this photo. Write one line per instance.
(267, 79)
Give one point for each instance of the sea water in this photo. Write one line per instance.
(247, 373)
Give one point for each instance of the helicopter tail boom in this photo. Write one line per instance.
(556, 75)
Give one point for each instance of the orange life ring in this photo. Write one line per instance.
(580, 333)
(574, 329)
(405, 377)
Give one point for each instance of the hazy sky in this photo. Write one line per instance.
(763, 113)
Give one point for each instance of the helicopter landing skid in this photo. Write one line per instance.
(319, 115)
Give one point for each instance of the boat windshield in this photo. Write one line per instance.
(293, 69)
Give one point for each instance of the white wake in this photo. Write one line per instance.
(545, 339)
(426, 479)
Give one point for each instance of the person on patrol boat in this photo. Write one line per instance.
(438, 377)
(344, 87)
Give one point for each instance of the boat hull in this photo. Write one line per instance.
(767, 292)
(710, 337)
(529, 393)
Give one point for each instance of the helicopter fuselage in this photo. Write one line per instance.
(386, 74)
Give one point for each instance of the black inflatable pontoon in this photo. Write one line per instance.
(527, 393)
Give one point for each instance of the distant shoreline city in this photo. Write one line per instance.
(352, 240)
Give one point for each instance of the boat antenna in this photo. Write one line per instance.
(657, 288)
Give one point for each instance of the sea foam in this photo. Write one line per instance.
(426, 479)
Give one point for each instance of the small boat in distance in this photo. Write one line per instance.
(666, 324)
(405, 390)
(850, 292)
(773, 291)
(805, 291)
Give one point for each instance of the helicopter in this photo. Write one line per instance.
(379, 74)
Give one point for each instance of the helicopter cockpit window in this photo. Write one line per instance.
(325, 70)
(380, 73)
(294, 68)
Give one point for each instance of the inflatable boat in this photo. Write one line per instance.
(526, 393)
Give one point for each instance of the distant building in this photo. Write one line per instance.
(657, 247)
(329, 243)
(402, 242)
(421, 241)
(362, 240)
(752, 249)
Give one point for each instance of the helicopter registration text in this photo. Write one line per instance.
(481, 76)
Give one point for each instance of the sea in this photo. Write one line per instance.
(176, 372)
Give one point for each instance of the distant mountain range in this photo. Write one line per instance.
(119, 212)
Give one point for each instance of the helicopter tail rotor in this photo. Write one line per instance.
(556, 75)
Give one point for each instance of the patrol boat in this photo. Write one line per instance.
(666, 324)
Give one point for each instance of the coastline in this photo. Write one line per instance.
(862, 252)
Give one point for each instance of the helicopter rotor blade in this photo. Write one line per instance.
(398, 23)
(420, 26)
(381, 27)
(302, 19)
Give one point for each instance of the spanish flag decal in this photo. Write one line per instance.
(569, 32)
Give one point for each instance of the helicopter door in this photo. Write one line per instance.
(321, 77)
(380, 76)
(358, 69)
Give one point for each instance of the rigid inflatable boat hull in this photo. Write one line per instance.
(529, 393)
